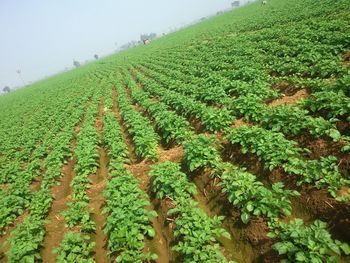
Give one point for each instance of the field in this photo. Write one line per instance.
(228, 141)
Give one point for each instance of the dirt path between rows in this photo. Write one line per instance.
(61, 193)
(95, 192)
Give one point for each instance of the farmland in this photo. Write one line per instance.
(228, 141)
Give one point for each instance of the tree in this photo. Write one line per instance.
(235, 4)
(96, 56)
(144, 37)
(6, 89)
(20, 76)
(76, 63)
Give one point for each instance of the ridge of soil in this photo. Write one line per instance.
(300, 94)
(96, 199)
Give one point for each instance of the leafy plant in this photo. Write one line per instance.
(128, 221)
(201, 152)
(307, 244)
(196, 233)
(169, 182)
(75, 247)
(251, 196)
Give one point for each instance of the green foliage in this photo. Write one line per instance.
(322, 172)
(172, 126)
(271, 147)
(75, 247)
(25, 241)
(128, 221)
(201, 152)
(117, 148)
(140, 128)
(169, 182)
(252, 197)
(213, 119)
(196, 233)
(307, 244)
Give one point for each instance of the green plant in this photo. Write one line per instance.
(169, 182)
(75, 247)
(307, 244)
(196, 233)
(201, 152)
(251, 196)
(128, 221)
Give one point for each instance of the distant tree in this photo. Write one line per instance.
(20, 76)
(147, 37)
(76, 63)
(235, 4)
(96, 56)
(152, 36)
(6, 89)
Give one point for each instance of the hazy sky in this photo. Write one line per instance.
(43, 37)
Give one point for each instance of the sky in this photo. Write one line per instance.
(41, 38)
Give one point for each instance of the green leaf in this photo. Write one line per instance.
(245, 218)
(346, 248)
(151, 232)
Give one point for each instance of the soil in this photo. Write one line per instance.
(311, 205)
(346, 57)
(300, 94)
(162, 242)
(36, 183)
(288, 89)
(159, 243)
(322, 147)
(55, 228)
(167, 227)
(343, 127)
(96, 203)
(249, 242)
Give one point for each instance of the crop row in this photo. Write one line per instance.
(139, 127)
(128, 221)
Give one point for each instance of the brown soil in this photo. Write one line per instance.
(346, 56)
(248, 242)
(167, 227)
(318, 146)
(311, 205)
(5, 186)
(343, 127)
(286, 88)
(98, 183)
(161, 243)
(322, 147)
(36, 183)
(238, 123)
(303, 93)
(232, 153)
(174, 155)
(55, 228)
(322, 206)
